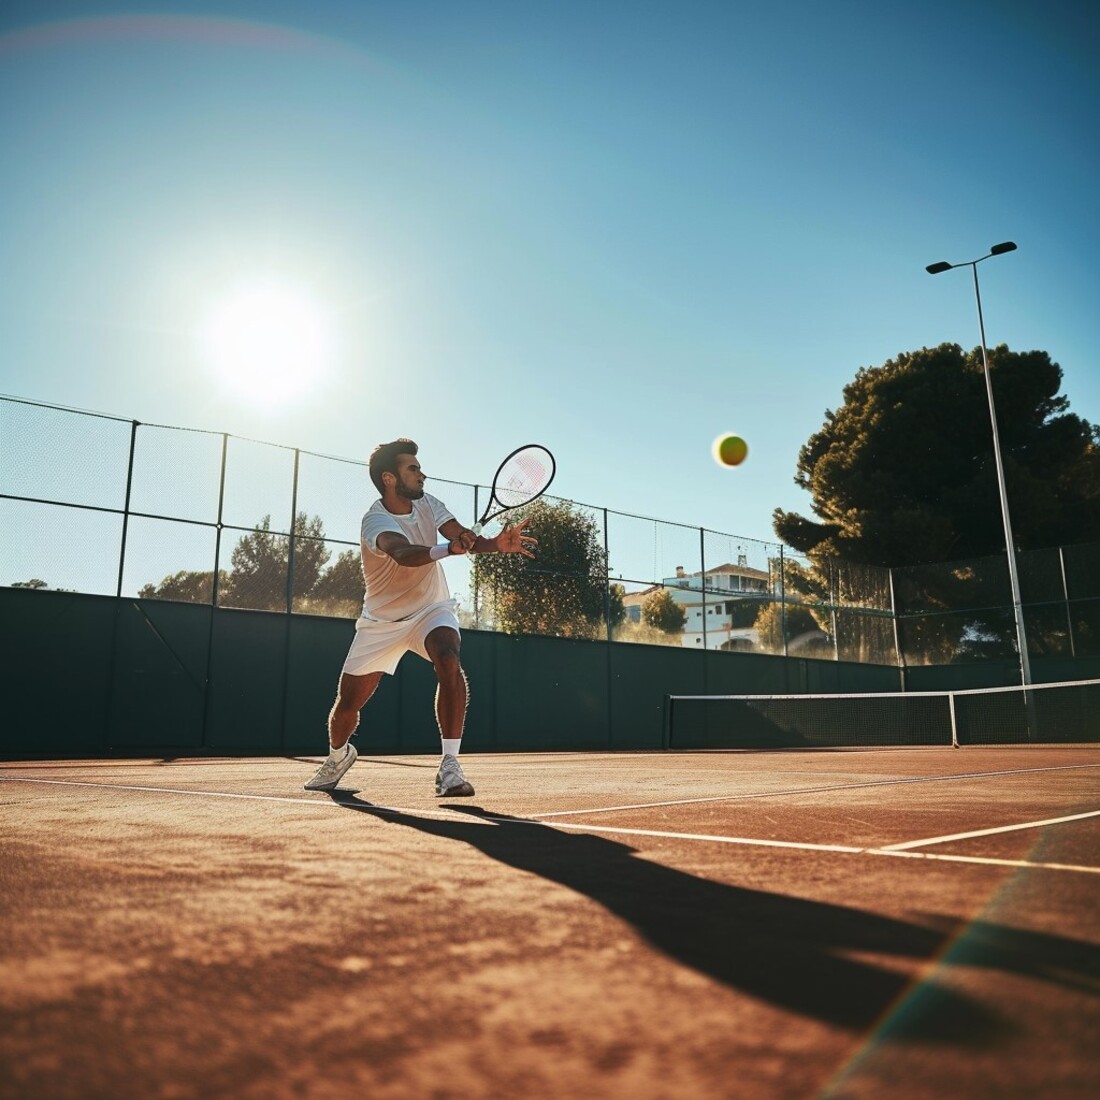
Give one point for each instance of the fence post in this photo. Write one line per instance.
(291, 548)
(473, 570)
(108, 717)
(134, 425)
(703, 584)
(832, 609)
(289, 596)
(894, 623)
(608, 673)
(783, 600)
(218, 528)
(606, 579)
(214, 592)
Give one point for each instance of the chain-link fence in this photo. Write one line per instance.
(97, 504)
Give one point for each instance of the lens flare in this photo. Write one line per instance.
(269, 343)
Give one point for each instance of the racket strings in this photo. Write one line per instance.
(523, 478)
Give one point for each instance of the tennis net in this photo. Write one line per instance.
(1062, 713)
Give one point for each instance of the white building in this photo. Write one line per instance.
(727, 587)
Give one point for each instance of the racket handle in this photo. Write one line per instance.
(477, 528)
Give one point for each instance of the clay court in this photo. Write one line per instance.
(907, 922)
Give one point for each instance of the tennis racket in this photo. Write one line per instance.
(521, 478)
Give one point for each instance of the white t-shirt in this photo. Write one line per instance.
(395, 591)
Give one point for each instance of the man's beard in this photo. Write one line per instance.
(409, 494)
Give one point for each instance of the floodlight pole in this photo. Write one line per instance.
(1010, 545)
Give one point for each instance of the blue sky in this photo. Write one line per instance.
(619, 229)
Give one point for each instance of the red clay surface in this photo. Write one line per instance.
(590, 925)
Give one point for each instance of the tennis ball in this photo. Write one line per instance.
(730, 450)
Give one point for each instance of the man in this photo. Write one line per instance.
(408, 607)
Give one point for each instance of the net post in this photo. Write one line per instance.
(954, 724)
(666, 722)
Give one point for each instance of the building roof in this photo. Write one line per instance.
(736, 570)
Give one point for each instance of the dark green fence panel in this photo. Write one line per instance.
(551, 694)
(129, 677)
(1061, 670)
(317, 648)
(55, 672)
(479, 660)
(244, 706)
(640, 678)
(1000, 673)
(159, 687)
(415, 728)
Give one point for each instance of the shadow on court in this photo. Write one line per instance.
(794, 953)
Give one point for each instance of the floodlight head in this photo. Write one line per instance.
(1004, 246)
(935, 269)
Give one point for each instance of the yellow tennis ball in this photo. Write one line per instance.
(730, 450)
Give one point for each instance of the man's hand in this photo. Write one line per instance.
(515, 540)
(466, 539)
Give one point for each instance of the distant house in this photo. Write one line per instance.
(720, 607)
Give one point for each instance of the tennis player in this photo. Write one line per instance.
(408, 608)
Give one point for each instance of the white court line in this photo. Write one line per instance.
(211, 794)
(989, 832)
(810, 790)
(751, 842)
(843, 848)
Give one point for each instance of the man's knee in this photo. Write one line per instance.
(445, 651)
(353, 692)
(448, 662)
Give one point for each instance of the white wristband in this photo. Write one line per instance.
(441, 551)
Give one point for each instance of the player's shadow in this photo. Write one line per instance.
(810, 957)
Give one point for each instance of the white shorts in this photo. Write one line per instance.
(379, 646)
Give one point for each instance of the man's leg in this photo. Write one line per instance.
(443, 647)
(351, 697)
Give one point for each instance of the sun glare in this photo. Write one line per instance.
(267, 343)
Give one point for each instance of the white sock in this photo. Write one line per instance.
(451, 745)
(340, 753)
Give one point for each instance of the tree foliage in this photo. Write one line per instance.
(562, 592)
(339, 589)
(261, 559)
(258, 578)
(800, 624)
(903, 475)
(904, 472)
(663, 613)
(616, 606)
(185, 586)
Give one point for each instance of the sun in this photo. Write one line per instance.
(268, 342)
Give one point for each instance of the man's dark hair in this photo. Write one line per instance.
(383, 459)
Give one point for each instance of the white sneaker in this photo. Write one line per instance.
(449, 780)
(332, 771)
